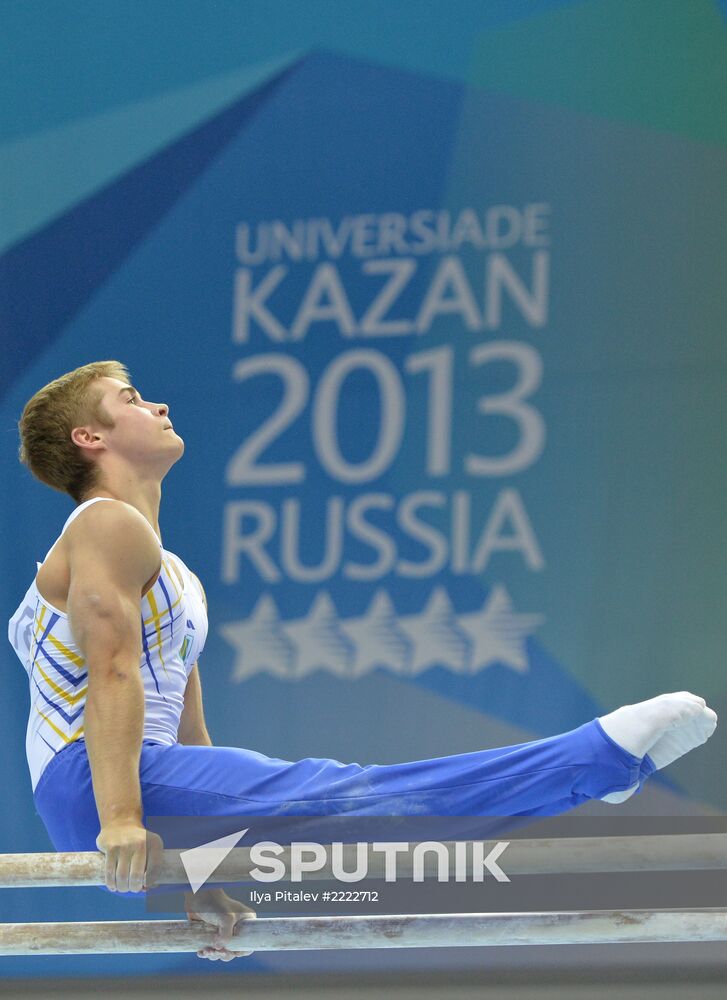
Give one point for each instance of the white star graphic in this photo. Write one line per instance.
(498, 633)
(320, 643)
(260, 643)
(377, 638)
(435, 636)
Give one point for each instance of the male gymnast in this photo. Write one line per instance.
(117, 730)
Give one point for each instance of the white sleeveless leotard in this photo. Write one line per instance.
(173, 632)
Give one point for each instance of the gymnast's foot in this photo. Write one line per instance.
(665, 727)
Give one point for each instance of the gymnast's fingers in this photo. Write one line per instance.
(154, 858)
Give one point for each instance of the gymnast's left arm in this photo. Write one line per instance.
(192, 727)
(212, 907)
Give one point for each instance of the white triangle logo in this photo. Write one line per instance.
(200, 862)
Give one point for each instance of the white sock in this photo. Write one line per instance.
(676, 742)
(616, 797)
(665, 727)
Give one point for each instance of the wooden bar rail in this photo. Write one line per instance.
(572, 855)
(459, 930)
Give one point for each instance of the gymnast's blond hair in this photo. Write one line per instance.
(45, 426)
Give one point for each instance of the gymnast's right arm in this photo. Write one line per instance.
(112, 553)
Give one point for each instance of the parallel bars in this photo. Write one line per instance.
(567, 855)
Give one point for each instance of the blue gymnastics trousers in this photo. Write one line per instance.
(541, 778)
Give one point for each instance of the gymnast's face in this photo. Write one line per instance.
(142, 430)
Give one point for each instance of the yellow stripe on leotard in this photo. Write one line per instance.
(74, 658)
(157, 616)
(66, 739)
(70, 699)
